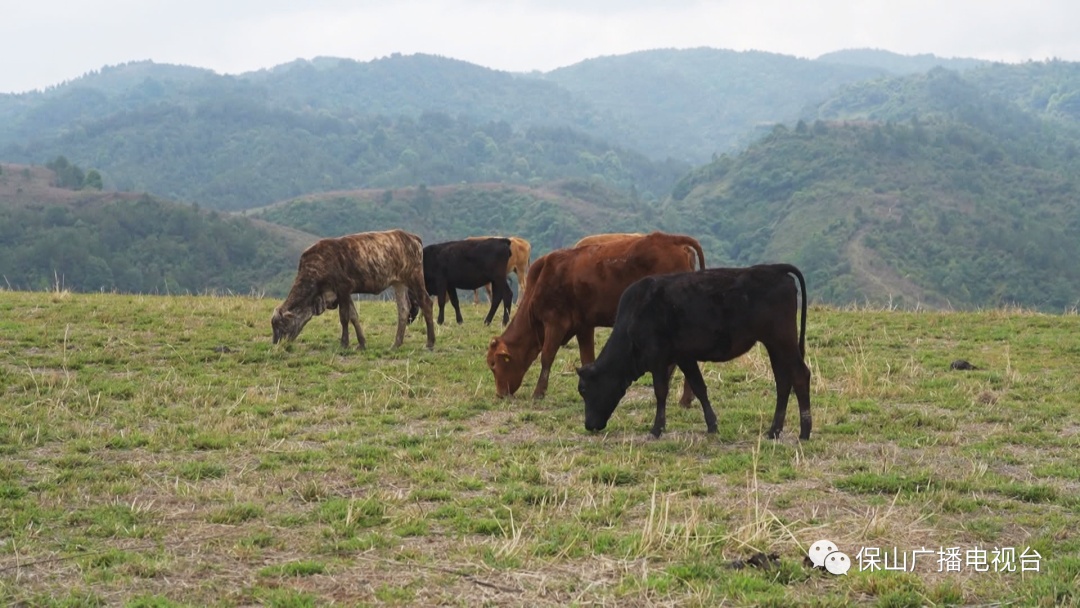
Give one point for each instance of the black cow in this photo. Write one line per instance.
(468, 264)
(716, 314)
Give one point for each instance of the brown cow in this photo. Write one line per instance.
(573, 291)
(333, 269)
(520, 253)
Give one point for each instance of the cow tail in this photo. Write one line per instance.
(700, 255)
(696, 246)
(802, 286)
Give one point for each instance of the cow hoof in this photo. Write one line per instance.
(711, 430)
(804, 436)
(773, 434)
(656, 433)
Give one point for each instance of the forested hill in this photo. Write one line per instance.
(935, 213)
(896, 64)
(690, 104)
(234, 142)
(550, 216)
(941, 187)
(87, 240)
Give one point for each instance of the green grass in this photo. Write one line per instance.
(144, 465)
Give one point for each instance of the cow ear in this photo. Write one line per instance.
(500, 349)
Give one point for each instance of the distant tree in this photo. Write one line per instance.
(423, 199)
(67, 174)
(93, 180)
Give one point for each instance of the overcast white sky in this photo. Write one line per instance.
(44, 43)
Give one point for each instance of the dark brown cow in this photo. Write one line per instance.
(572, 292)
(716, 314)
(333, 269)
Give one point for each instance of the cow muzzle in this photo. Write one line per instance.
(595, 427)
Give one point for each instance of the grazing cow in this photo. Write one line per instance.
(520, 252)
(333, 269)
(716, 314)
(468, 264)
(572, 292)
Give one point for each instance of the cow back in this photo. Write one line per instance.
(585, 283)
(369, 262)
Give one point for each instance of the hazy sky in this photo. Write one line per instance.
(43, 43)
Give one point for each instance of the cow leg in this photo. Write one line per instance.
(452, 292)
(695, 381)
(801, 382)
(343, 315)
(789, 370)
(552, 342)
(496, 299)
(476, 297)
(420, 294)
(687, 397)
(401, 295)
(660, 388)
(442, 302)
(586, 341)
(507, 298)
(348, 314)
(487, 290)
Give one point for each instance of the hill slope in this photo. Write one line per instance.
(938, 214)
(691, 104)
(549, 217)
(90, 241)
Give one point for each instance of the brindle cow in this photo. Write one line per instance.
(333, 269)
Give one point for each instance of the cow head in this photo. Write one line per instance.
(509, 370)
(601, 392)
(288, 323)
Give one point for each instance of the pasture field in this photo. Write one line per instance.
(159, 451)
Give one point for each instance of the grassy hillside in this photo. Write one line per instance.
(160, 451)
